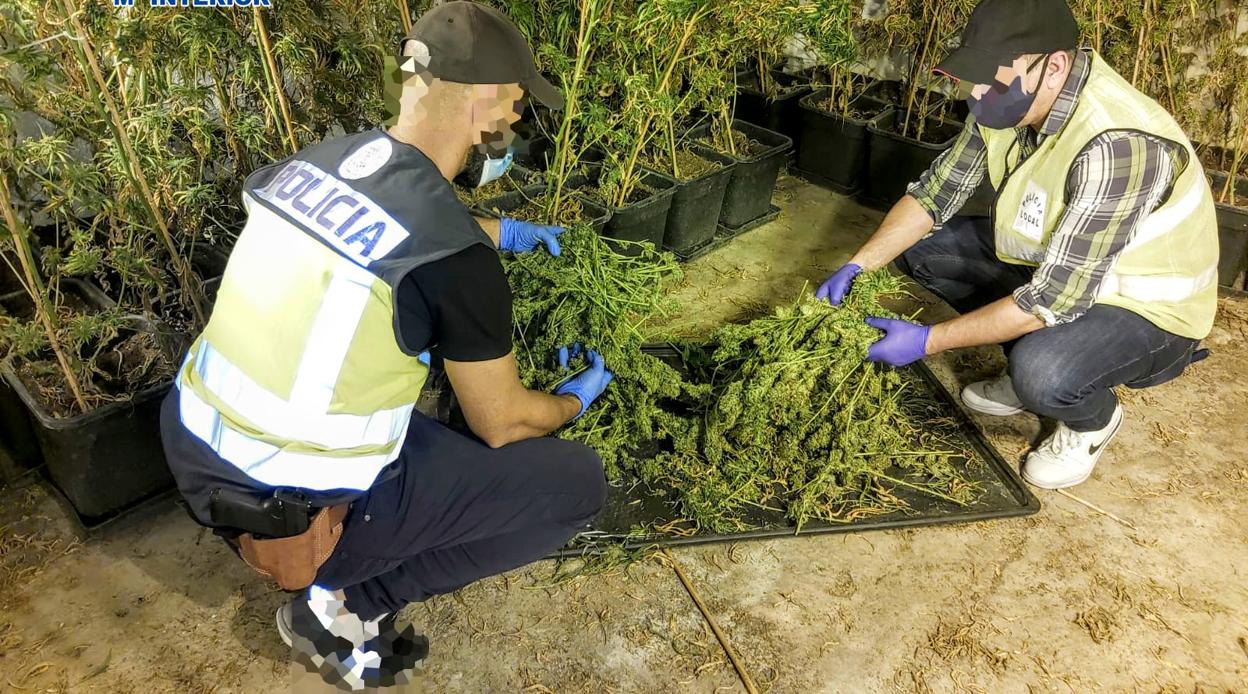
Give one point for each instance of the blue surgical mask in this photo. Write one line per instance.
(482, 168)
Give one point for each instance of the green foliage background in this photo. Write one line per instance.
(198, 103)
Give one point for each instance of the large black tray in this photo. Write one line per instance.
(1003, 495)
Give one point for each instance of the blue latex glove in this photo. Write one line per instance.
(836, 287)
(903, 342)
(588, 384)
(521, 237)
(423, 358)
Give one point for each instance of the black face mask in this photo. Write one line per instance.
(1005, 106)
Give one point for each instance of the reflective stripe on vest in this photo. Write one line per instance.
(1161, 288)
(1150, 289)
(297, 419)
(271, 465)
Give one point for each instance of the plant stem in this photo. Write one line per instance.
(86, 53)
(405, 16)
(275, 74)
(627, 183)
(38, 293)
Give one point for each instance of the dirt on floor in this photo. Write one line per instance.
(1149, 593)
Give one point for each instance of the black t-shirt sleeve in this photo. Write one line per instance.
(459, 305)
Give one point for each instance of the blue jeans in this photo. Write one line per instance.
(1068, 371)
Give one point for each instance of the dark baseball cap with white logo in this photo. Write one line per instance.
(473, 44)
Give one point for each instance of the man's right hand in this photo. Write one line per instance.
(588, 384)
(837, 287)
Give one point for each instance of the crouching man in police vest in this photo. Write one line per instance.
(292, 430)
(1098, 266)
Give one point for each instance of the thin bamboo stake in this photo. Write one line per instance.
(1165, 61)
(1140, 52)
(746, 680)
(405, 16)
(588, 21)
(38, 294)
(1094, 507)
(181, 267)
(270, 62)
(1100, 20)
(914, 84)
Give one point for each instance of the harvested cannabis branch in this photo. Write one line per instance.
(781, 413)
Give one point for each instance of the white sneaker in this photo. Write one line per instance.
(1067, 457)
(995, 397)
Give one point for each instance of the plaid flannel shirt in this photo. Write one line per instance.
(1115, 182)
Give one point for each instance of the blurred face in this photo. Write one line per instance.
(495, 109)
(1010, 101)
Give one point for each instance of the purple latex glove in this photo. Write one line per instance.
(837, 286)
(903, 342)
(521, 237)
(588, 384)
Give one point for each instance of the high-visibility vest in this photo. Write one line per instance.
(301, 378)
(1168, 270)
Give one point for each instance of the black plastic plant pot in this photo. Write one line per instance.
(19, 446)
(887, 91)
(833, 148)
(754, 177)
(895, 161)
(894, 93)
(8, 280)
(643, 220)
(19, 449)
(1232, 230)
(110, 458)
(780, 112)
(694, 215)
(105, 460)
(595, 215)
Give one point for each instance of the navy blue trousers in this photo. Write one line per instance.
(459, 511)
(1066, 372)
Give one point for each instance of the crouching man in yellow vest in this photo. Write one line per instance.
(1098, 264)
(291, 430)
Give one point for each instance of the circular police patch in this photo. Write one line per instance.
(366, 160)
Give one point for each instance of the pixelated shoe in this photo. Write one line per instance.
(1067, 457)
(346, 651)
(994, 397)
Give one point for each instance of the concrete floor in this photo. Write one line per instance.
(1071, 599)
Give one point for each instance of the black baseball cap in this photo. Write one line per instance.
(473, 44)
(999, 31)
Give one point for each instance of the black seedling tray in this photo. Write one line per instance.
(1002, 495)
(724, 234)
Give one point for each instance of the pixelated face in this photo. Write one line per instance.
(1021, 70)
(495, 109)
(414, 84)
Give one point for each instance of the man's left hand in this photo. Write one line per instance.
(521, 237)
(903, 342)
